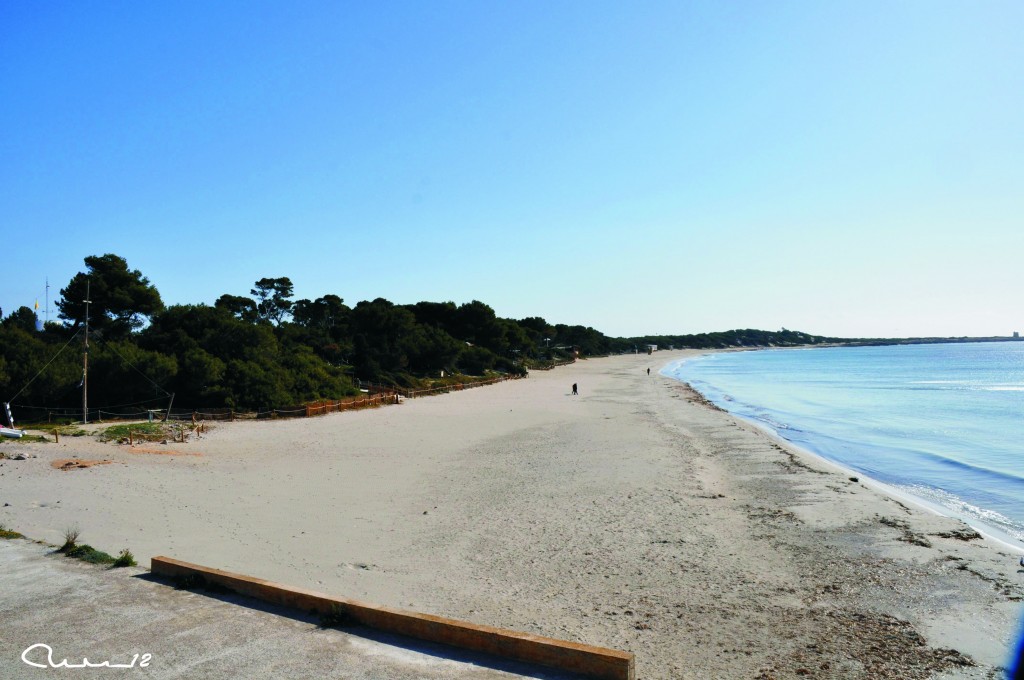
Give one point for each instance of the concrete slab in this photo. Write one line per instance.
(83, 611)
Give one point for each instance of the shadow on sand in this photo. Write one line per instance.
(438, 651)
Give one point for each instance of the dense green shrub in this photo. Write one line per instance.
(268, 351)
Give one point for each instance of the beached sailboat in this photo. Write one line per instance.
(11, 431)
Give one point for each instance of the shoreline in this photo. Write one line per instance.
(1004, 541)
(993, 533)
(632, 517)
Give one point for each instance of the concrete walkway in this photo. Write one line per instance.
(81, 610)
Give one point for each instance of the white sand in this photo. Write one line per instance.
(631, 516)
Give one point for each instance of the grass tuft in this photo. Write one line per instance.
(125, 559)
(25, 439)
(64, 430)
(87, 553)
(7, 533)
(71, 535)
(338, 617)
(139, 431)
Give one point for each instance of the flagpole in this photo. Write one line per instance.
(85, 361)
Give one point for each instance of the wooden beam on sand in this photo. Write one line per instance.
(594, 662)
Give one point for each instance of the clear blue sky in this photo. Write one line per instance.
(842, 168)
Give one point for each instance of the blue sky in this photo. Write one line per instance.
(846, 169)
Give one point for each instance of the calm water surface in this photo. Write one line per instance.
(943, 422)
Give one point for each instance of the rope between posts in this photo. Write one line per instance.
(44, 367)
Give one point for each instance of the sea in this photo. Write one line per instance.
(942, 423)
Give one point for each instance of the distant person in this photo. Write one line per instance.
(574, 390)
(648, 371)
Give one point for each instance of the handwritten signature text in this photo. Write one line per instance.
(142, 660)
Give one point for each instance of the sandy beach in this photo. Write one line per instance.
(633, 516)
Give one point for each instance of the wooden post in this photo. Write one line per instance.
(56, 435)
(131, 442)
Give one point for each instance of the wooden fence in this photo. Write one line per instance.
(456, 387)
(554, 364)
(319, 408)
(374, 396)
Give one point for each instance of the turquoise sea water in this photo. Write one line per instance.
(942, 422)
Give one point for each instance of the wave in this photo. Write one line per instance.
(966, 510)
(990, 473)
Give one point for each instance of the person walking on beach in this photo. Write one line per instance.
(648, 371)
(574, 390)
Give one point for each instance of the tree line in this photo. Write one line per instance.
(268, 349)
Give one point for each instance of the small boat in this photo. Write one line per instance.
(10, 431)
